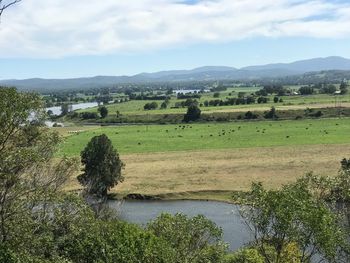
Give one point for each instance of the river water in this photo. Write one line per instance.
(226, 216)
(80, 106)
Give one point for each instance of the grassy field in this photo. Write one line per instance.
(135, 107)
(209, 161)
(166, 138)
(216, 174)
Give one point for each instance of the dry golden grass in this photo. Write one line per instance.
(160, 173)
(211, 174)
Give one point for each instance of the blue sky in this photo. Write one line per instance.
(65, 39)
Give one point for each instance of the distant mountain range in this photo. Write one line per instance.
(199, 74)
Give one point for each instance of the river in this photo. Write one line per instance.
(79, 106)
(226, 216)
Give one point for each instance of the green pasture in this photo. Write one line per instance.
(135, 107)
(164, 138)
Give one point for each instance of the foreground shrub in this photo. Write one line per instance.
(292, 224)
(114, 241)
(248, 255)
(193, 240)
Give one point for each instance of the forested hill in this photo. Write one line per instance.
(331, 69)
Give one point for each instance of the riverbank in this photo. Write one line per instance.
(210, 195)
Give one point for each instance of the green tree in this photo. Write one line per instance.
(29, 178)
(241, 94)
(66, 108)
(329, 89)
(275, 99)
(306, 90)
(164, 105)
(271, 114)
(151, 106)
(293, 223)
(193, 113)
(343, 87)
(194, 239)
(103, 112)
(114, 241)
(247, 255)
(50, 113)
(102, 166)
(250, 115)
(216, 94)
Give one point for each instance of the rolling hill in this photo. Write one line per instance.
(207, 73)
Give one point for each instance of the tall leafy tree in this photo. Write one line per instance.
(193, 113)
(343, 87)
(28, 176)
(293, 218)
(103, 112)
(102, 166)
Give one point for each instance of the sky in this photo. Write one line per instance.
(81, 38)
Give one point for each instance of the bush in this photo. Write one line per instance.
(248, 255)
(115, 241)
(262, 100)
(88, 115)
(164, 105)
(216, 95)
(194, 239)
(318, 114)
(151, 106)
(249, 115)
(271, 114)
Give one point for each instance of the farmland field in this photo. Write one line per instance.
(135, 107)
(209, 161)
(215, 174)
(165, 138)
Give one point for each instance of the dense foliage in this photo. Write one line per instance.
(193, 239)
(102, 166)
(151, 106)
(306, 221)
(193, 113)
(103, 112)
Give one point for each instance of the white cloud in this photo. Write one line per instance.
(56, 28)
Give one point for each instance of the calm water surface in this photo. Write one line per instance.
(79, 106)
(224, 215)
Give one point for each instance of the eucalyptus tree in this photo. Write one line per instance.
(293, 223)
(30, 179)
